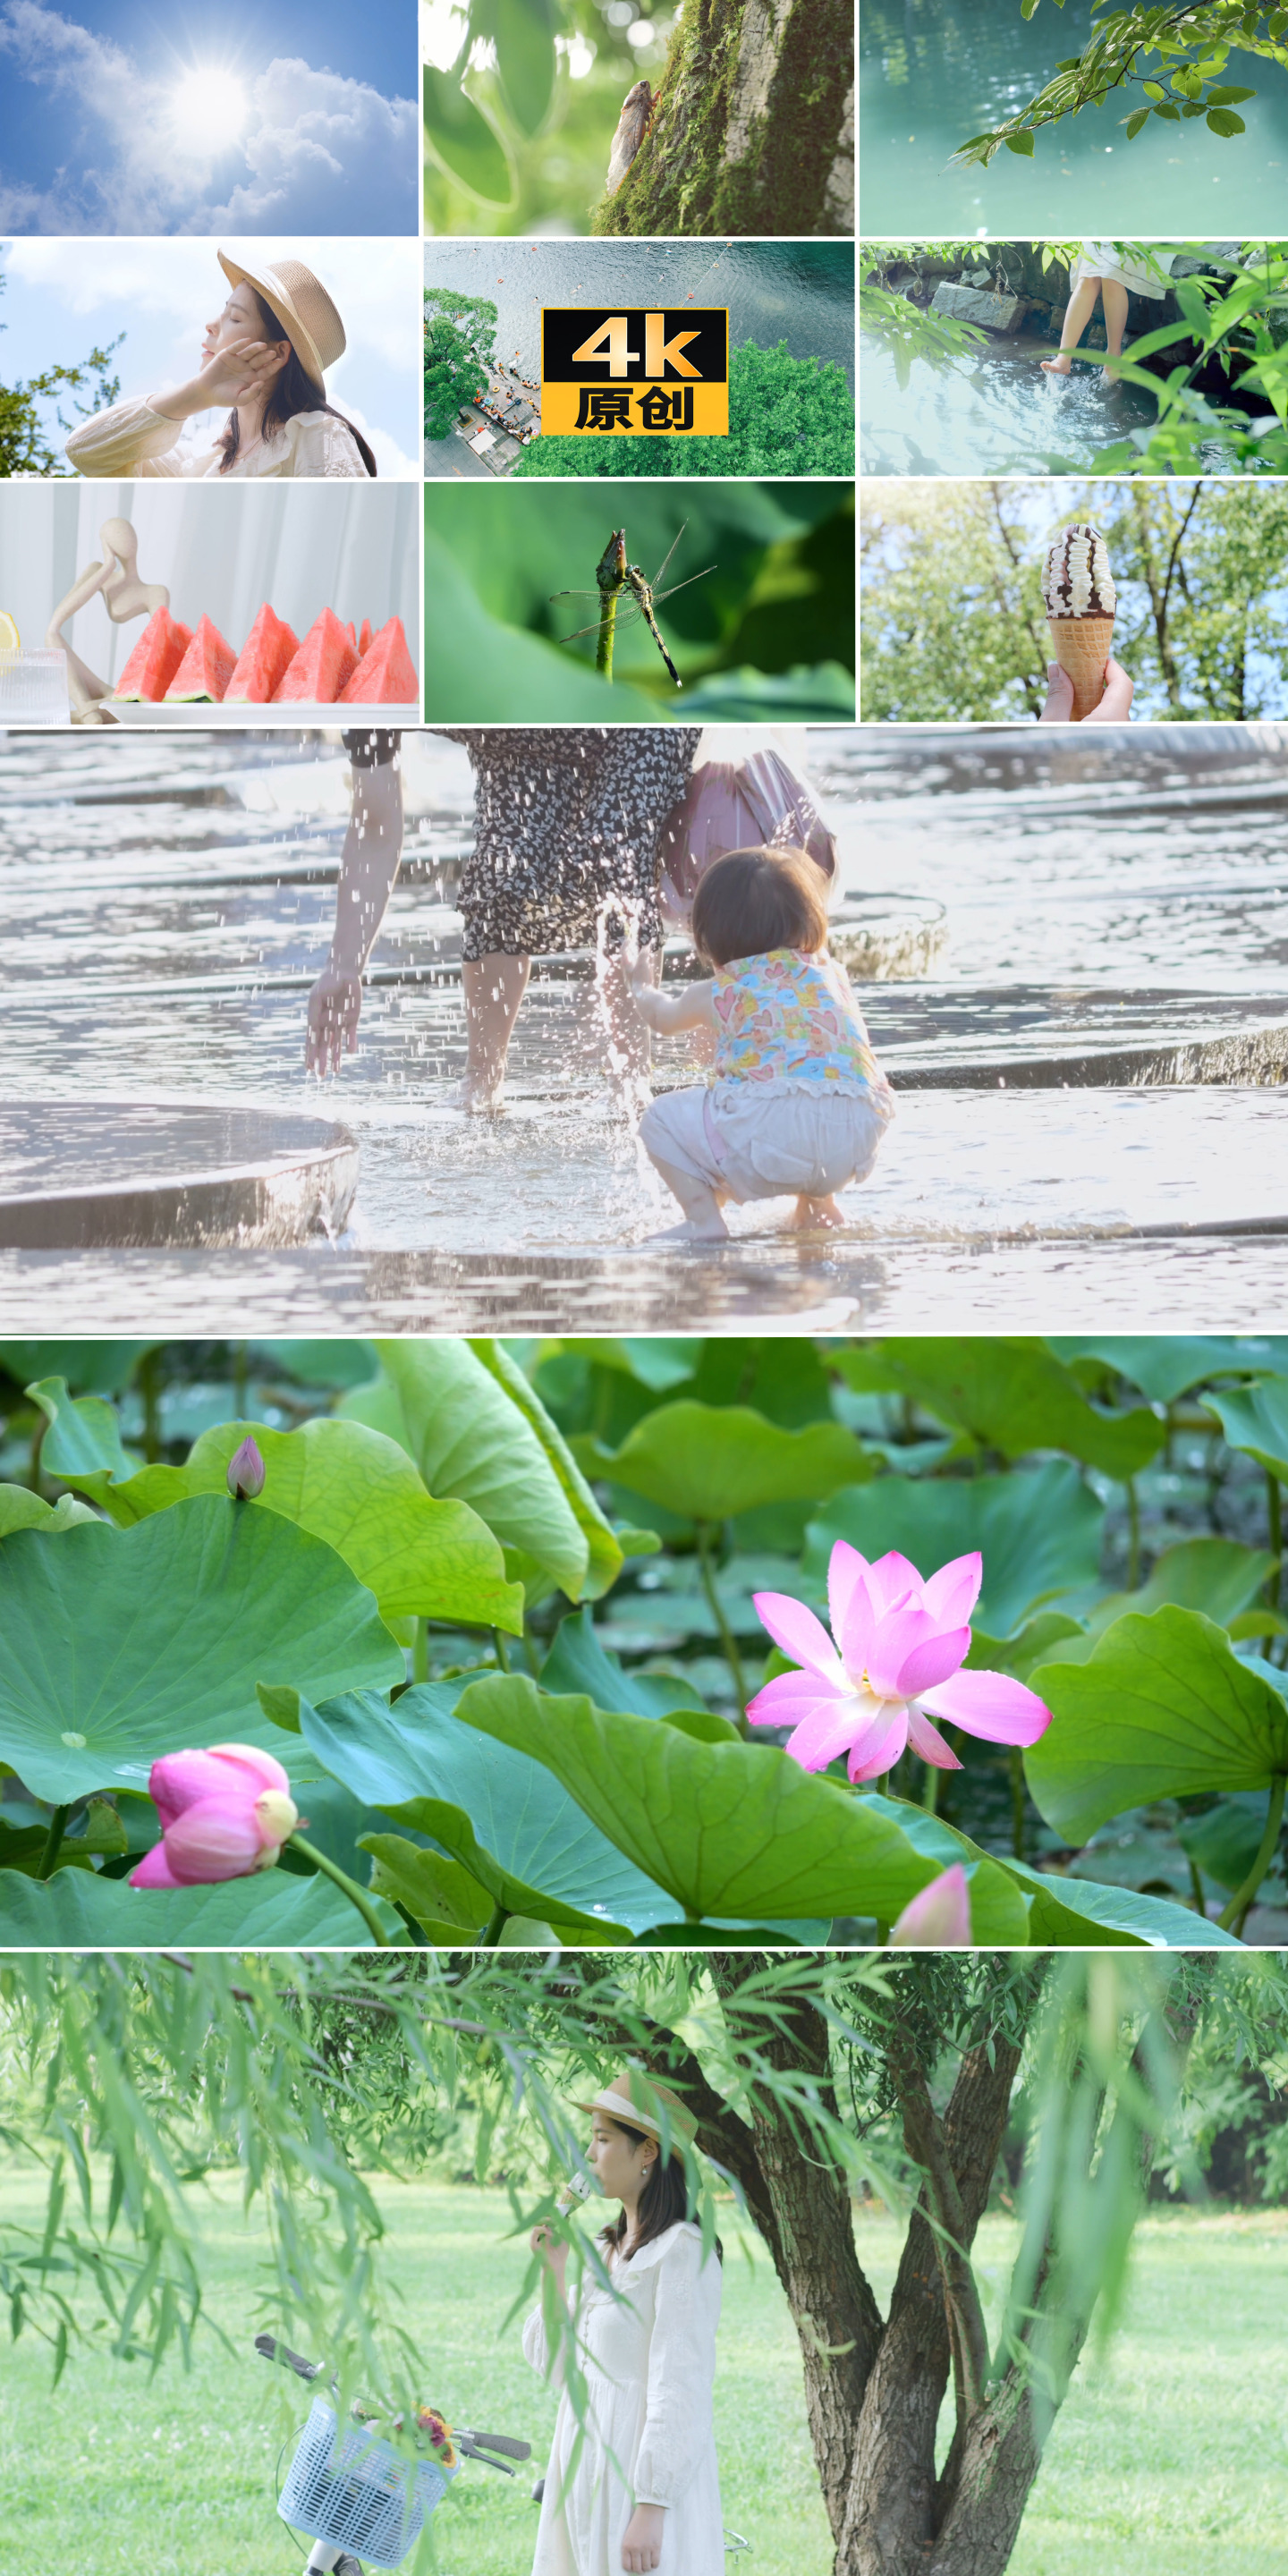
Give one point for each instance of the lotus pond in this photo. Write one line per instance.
(491, 1607)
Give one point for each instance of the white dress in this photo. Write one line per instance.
(132, 439)
(1100, 259)
(649, 2359)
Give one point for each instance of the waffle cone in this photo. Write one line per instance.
(1081, 646)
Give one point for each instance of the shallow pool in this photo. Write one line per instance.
(934, 72)
(993, 413)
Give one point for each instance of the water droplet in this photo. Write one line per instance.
(71, 1737)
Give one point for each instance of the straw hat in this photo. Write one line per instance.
(620, 2098)
(302, 306)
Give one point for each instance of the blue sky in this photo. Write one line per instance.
(121, 118)
(62, 298)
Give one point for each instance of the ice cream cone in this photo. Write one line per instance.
(1082, 646)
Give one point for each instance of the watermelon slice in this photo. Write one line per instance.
(264, 657)
(206, 668)
(364, 639)
(155, 659)
(322, 665)
(386, 675)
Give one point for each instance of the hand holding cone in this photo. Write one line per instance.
(1080, 602)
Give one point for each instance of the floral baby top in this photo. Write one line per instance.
(791, 1018)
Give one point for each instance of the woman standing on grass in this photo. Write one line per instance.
(642, 2491)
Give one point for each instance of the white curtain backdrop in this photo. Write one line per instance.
(351, 547)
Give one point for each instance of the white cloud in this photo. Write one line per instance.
(376, 287)
(324, 153)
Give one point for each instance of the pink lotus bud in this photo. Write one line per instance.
(224, 1814)
(938, 1919)
(246, 1472)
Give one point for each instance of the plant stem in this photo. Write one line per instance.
(607, 622)
(716, 1607)
(883, 1935)
(500, 1650)
(1232, 1920)
(1196, 1890)
(149, 1386)
(356, 1895)
(1133, 1526)
(53, 1841)
(1017, 1803)
(420, 1652)
(496, 1923)
(930, 1794)
(1275, 1518)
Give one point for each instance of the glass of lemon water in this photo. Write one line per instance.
(33, 680)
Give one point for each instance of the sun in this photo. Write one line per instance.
(208, 108)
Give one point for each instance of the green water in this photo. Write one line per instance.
(937, 71)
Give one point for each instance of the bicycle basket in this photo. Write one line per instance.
(358, 2489)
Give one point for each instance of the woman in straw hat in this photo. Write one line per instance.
(642, 2491)
(267, 355)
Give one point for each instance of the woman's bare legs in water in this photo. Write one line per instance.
(1082, 304)
(494, 987)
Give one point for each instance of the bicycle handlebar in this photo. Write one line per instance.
(474, 2445)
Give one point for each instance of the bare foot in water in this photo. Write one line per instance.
(711, 1230)
(812, 1212)
(1057, 366)
(477, 1096)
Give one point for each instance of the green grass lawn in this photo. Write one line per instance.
(1168, 2460)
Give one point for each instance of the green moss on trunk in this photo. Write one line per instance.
(730, 153)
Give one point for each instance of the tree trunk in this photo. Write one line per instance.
(752, 128)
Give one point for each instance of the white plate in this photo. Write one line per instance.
(301, 711)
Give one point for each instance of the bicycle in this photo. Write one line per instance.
(349, 2488)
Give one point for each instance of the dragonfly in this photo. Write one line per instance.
(615, 576)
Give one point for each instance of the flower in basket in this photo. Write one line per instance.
(224, 1813)
(895, 1665)
(438, 2433)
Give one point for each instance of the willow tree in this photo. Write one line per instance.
(130, 2077)
(752, 128)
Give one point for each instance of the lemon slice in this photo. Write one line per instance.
(10, 639)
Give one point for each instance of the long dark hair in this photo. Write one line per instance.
(293, 390)
(663, 2202)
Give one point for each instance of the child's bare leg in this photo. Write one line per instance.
(494, 987)
(701, 1204)
(808, 1212)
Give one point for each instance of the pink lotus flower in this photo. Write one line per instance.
(938, 1919)
(224, 1814)
(901, 1646)
(246, 1471)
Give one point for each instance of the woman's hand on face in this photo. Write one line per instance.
(241, 369)
(642, 2540)
(335, 1006)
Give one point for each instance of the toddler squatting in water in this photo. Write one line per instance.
(795, 1101)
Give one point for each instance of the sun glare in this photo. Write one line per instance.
(207, 109)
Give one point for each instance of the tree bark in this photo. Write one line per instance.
(752, 128)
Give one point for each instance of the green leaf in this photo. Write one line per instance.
(1214, 1575)
(464, 142)
(601, 1540)
(346, 1484)
(103, 1366)
(1163, 1708)
(658, 1364)
(1165, 1365)
(82, 1442)
(1222, 120)
(471, 1439)
(21, 1509)
(524, 34)
(1010, 1394)
(117, 1646)
(273, 1910)
(450, 1826)
(434, 1890)
(1021, 143)
(103, 1838)
(578, 1662)
(728, 1829)
(1225, 1842)
(998, 1911)
(1224, 97)
(1135, 122)
(1078, 1913)
(709, 1462)
(1039, 1533)
(517, 1812)
(1255, 1419)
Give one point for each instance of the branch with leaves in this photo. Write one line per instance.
(1168, 62)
